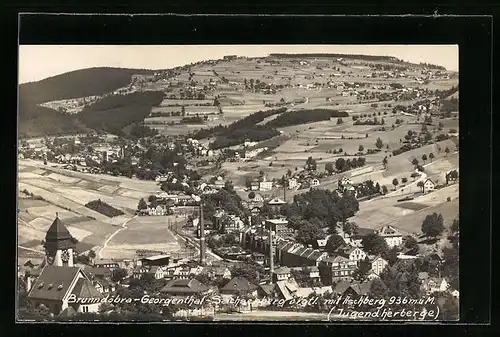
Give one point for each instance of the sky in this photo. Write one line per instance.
(37, 62)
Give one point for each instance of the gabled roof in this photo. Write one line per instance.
(276, 201)
(184, 286)
(267, 288)
(53, 283)
(282, 270)
(238, 284)
(85, 289)
(341, 287)
(361, 288)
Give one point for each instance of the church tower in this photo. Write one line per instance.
(59, 245)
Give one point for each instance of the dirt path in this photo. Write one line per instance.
(123, 226)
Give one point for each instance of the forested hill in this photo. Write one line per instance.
(78, 83)
(345, 56)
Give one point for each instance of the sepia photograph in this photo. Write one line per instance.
(180, 183)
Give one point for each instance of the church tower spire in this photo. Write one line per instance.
(59, 245)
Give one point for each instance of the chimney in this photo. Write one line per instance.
(202, 236)
(271, 255)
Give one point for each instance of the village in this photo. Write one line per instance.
(358, 202)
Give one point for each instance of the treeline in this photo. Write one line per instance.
(343, 165)
(138, 131)
(298, 117)
(113, 113)
(255, 133)
(244, 123)
(78, 83)
(346, 56)
(103, 208)
(35, 120)
(194, 120)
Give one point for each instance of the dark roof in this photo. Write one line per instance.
(363, 232)
(361, 288)
(267, 288)
(58, 278)
(238, 284)
(341, 287)
(184, 286)
(58, 236)
(98, 271)
(85, 289)
(282, 270)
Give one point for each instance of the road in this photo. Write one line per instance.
(123, 226)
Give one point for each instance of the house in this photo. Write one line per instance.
(429, 186)
(104, 286)
(217, 272)
(265, 185)
(337, 268)
(58, 287)
(276, 204)
(282, 274)
(292, 183)
(238, 285)
(314, 182)
(356, 289)
(391, 235)
(258, 198)
(184, 287)
(156, 260)
(254, 185)
(321, 243)
(434, 284)
(98, 272)
(279, 227)
(378, 265)
(259, 258)
(106, 263)
(138, 271)
(352, 253)
(156, 272)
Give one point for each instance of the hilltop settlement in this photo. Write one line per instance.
(240, 188)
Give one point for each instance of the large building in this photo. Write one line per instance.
(61, 286)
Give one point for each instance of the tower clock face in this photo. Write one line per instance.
(65, 255)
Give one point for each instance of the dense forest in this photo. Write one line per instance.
(346, 56)
(78, 83)
(103, 208)
(298, 117)
(113, 113)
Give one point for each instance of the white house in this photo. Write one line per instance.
(292, 183)
(265, 185)
(282, 274)
(352, 253)
(391, 235)
(429, 186)
(315, 182)
(435, 284)
(378, 265)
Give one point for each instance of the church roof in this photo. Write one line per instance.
(53, 283)
(57, 231)
(58, 236)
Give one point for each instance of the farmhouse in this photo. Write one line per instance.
(435, 284)
(429, 186)
(391, 235)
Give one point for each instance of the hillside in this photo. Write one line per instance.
(78, 83)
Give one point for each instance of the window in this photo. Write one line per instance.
(85, 308)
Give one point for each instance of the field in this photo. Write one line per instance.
(147, 232)
(66, 193)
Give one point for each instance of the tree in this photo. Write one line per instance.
(374, 244)
(183, 111)
(384, 162)
(363, 270)
(379, 144)
(350, 228)
(251, 195)
(421, 185)
(142, 204)
(432, 225)
(329, 168)
(447, 150)
(404, 180)
(395, 182)
(334, 242)
(414, 161)
(309, 232)
(384, 189)
(424, 157)
(118, 274)
(339, 121)
(455, 226)
(410, 243)
(311, 164)
(361, 148)
(340, 164)
(378, 289)
(428, 136)
(91, 255)
(431, 156)
(424, 128)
